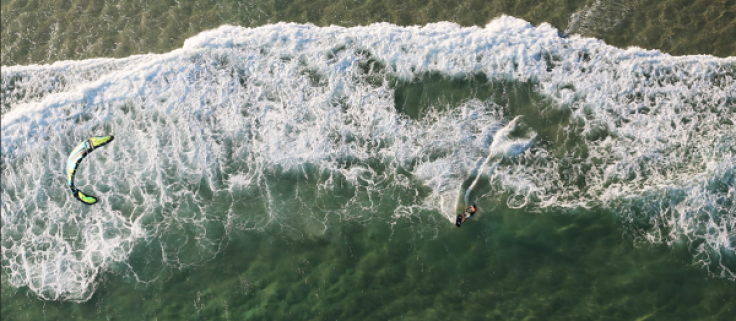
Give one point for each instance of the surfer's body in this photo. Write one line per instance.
(469, 211)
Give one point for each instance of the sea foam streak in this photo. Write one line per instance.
(201, 132)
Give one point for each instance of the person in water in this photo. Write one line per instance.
(469, 211)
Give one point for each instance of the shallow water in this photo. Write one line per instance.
(315, 172)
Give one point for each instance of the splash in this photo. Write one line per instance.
(504, 146)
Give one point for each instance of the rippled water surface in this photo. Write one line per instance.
(304, 172)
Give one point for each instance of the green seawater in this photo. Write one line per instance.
(42, 31)
(503, 264)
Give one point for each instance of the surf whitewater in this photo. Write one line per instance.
(205, 133)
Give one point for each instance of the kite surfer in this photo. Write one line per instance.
(469, 211)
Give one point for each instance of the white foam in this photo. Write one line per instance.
(200, 130)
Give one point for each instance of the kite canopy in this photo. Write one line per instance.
(76, 157)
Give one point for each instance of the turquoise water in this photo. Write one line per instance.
(304, 172)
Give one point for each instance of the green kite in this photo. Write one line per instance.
(76, 157)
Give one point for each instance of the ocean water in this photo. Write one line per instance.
(291, 171)
(46, 31)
